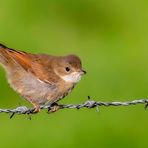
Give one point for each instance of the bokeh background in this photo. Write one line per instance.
(111, 37)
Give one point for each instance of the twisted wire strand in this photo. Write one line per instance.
(88, 104)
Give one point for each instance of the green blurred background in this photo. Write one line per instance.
(111, 39)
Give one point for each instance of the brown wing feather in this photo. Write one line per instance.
(9, 57)
(34, 64)
(20, 57)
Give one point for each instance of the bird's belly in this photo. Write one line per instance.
(60, 94)
(31, 88)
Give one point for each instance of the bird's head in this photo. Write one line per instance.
(69, 68)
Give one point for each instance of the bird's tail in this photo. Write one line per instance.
(5, 58)
(10, 57)
(3, 55)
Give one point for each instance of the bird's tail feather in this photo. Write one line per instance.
(5, 58)
(3, 55)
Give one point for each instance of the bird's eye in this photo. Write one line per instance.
(67, 69)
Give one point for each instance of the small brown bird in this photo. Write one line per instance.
(40, 78)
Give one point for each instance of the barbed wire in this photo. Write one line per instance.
(88, 104)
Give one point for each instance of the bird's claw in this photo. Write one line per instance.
(54, 107)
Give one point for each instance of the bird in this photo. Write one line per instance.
(41, 79)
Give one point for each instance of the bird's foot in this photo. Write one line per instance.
(54, 107)
(36, 109)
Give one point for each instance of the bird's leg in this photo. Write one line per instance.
(36, 108)
(54, 107)
(36, 105)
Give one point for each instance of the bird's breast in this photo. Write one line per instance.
(64, 90)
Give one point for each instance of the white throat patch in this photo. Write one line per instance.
(74, 77)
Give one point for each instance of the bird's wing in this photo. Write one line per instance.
(34, 64)
(20, 57)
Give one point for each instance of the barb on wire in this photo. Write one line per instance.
(88, 104)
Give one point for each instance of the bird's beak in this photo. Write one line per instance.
(83, 72)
